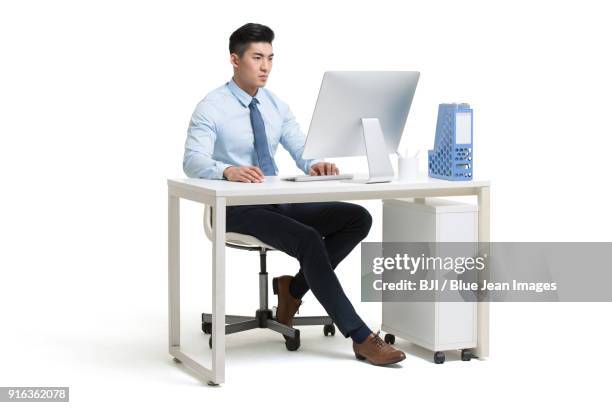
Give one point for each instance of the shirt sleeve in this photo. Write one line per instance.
(200, 145)
(293, 140)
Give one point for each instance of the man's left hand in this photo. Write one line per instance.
(323, 169)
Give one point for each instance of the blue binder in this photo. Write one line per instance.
(452, 155)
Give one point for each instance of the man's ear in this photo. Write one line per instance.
(234, 58)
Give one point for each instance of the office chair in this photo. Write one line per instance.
(264, 317)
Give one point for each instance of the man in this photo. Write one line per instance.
(233, 135)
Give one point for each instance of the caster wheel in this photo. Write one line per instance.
(389, 338)
(466, 355)
(293, 344)
(439, 357)
(210, 342)
(207, 328)
(329, 329)
(176, 360)
(212, 384)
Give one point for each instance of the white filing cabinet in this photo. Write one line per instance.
(437, 326)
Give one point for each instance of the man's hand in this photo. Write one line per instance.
(245, 174)
(323, 169)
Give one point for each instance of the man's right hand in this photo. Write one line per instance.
(245, 174)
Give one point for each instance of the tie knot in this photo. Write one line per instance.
(253, 103)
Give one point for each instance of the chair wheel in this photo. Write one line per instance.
(466, 355)
(389, 338)
(292, 344)
(207, 328)
(439, 357)
(329, 329)
(210, 342)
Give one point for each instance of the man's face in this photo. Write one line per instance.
(255, 64)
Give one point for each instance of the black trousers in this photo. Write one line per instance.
(319, 236)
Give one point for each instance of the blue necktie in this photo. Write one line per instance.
(266, 162)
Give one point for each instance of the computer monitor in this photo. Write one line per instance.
(361, 113)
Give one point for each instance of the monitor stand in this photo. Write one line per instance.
(379, 165)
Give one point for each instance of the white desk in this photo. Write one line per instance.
(219, 194)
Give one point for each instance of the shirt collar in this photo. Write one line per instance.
(243, 97)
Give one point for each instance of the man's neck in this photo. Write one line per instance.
(250, 90)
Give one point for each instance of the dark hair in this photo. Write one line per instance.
(241, 38)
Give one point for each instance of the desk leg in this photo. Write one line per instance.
(218, 291)
(484, 236)
(216, 375)
(174, 273)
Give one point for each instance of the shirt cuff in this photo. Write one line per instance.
(220, 168)
(310, 163)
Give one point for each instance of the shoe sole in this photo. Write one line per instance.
(275, 291)
(361, 358)
(275, 286)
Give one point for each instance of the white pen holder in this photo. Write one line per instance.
(407, 167)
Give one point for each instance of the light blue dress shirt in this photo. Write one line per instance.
(220, 133)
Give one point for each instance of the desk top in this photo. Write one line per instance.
(273, 185)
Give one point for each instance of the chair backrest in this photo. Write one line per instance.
(232, 239)
(208, 214)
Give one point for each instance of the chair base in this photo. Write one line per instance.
(264, 319)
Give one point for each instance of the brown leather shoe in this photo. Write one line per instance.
(377, 352)
(287, 305)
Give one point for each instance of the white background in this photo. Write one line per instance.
(95, 99)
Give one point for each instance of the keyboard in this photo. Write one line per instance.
(318, 178)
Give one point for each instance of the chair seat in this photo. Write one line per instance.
(234, 238)
(245, 240)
